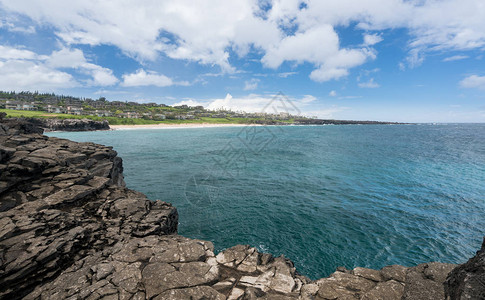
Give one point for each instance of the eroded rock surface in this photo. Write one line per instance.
(467, 281)
(69, 229)
(52, 124)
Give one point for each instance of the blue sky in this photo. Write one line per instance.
(392, 60)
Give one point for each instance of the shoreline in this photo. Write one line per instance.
(173, 126)
(79, 232)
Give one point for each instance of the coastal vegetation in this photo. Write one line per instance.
(38, 105)
(45, 105)
(131, 121)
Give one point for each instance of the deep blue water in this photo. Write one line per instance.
(325, 196)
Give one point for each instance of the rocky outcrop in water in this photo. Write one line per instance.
(51, 124)
(69, 229)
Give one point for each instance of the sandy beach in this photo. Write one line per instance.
(173, 126)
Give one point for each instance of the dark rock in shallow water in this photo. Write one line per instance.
(467, 281)
(69, 229)
(70, 124)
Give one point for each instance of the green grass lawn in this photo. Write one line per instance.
(122, 121)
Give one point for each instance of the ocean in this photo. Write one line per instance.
(324, 196)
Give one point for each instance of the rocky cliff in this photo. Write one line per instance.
(467, 281)
(69, 124)
(69, 229)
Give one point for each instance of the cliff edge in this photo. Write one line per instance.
(70, 229)
(54, 124)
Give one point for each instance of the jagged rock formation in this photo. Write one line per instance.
(467, 281)
(69, 229)
(51, 124)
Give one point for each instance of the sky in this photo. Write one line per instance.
(385, 60)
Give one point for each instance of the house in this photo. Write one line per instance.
(13, 105)
(56, 109)
(118, 104)
(28, 106)
(147, 116)
(74, 110)
(103, 113)
(220, 115)
(98, 104)
(130, 115)
(284, 115)
(159, 117)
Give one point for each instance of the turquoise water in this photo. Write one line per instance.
(325, 196)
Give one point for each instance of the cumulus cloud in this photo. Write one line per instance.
(21, 75)
(473, 81)
(332, 93)
(144, 78)
(251, 84)
(261, 103)
(307, 99)
(14, 53)
(24, 69)
(369, 84)
(372, 39)
(206, 31)
(75, 59)
(12, 24)
(100, 76)
(326, 113)
(319, 46)
(190, 102)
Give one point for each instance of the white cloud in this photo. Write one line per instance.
(22, 75)
(286, 74)
(372, 39)
(144, 78)
(66, 58)
(251, 103)
(319, 46)
(455, 57)
(325, 74)
(261, 103)
(332, 93)
(307, 99)
(254, 103)
(369, 84)
(205, 31)
(15, 53)
(325, 113)
(74, 58)
(101, 76)
(190, 102)
(12, 24)
(251, 84)
(473, 81)
(24, 69)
